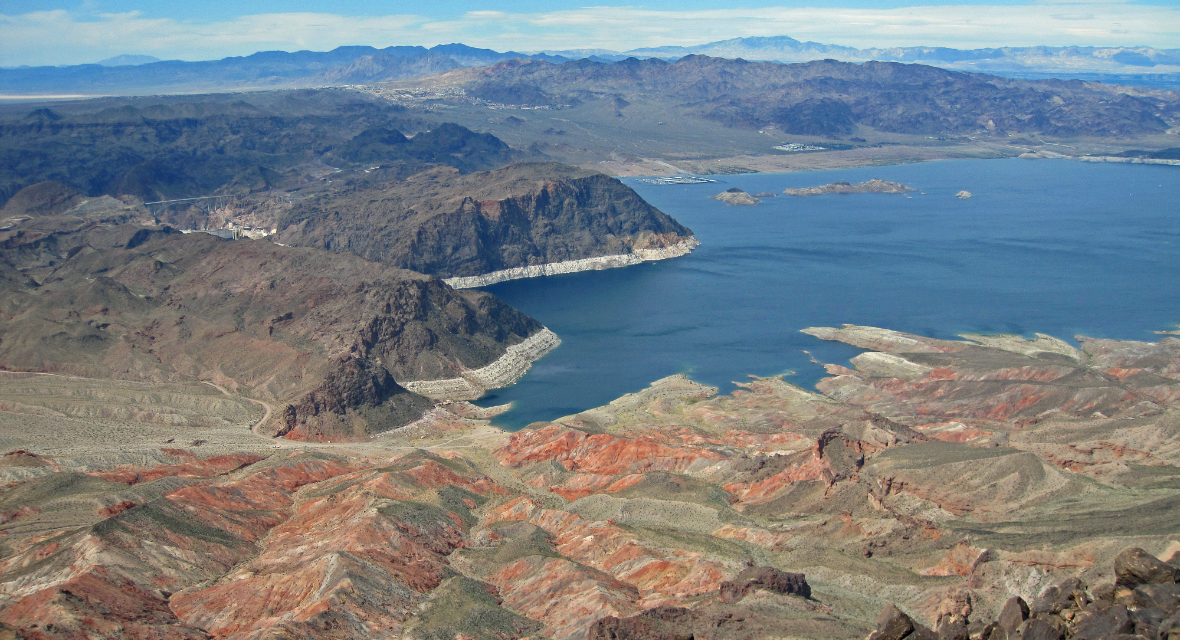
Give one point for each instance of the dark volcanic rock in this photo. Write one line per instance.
(1037, 629)
(768, 578)
(1097, 623)
(1135, 566)
(1164, 596)
(1065, 612)
(1070, 594)
(448, 225)
(892, 624)
(1013, 614)
(660, 623)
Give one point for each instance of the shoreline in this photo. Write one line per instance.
(573, 266)
(501, 372)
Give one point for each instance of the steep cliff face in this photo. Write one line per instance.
(323, 335)
(446, 224)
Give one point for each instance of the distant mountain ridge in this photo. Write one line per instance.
(140, 75)
(1039, 58)
(262, 70)
(1136, 65)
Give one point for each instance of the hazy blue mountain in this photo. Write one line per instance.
(265, 69)
(127, 60)
(1002, 60)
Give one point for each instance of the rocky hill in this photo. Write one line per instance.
(451, 225)
(165, 148)
(328, 338)
(939, 480)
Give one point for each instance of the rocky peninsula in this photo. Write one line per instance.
(871, 186)
(500, 223)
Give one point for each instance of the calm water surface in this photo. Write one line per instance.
(1049, 246)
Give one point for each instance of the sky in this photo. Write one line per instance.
(47, 32)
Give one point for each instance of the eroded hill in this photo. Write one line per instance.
(330, 339)
(646, 515)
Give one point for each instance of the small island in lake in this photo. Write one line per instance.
(872, 186)
(736, 196)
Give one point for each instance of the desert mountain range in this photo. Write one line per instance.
(239, 334)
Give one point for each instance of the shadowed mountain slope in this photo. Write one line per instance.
(323, 334)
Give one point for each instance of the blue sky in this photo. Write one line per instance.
(36, 32)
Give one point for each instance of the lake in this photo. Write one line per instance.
(1050, 246)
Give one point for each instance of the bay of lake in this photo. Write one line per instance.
(1043, 246)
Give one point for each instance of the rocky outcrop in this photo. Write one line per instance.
(870, 186)
(517, 220)
(660, 623)
(330, 411)
(1143, 603)
(769, 578)
(736, 196)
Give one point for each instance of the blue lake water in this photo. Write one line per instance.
(1050, 246)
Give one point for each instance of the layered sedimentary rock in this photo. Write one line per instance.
(670, 512)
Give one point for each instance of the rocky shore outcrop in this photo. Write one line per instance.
(736, 196)
(573, 266)
(504, 371)
(871, 186)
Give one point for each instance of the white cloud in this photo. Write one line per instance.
(60, 37)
